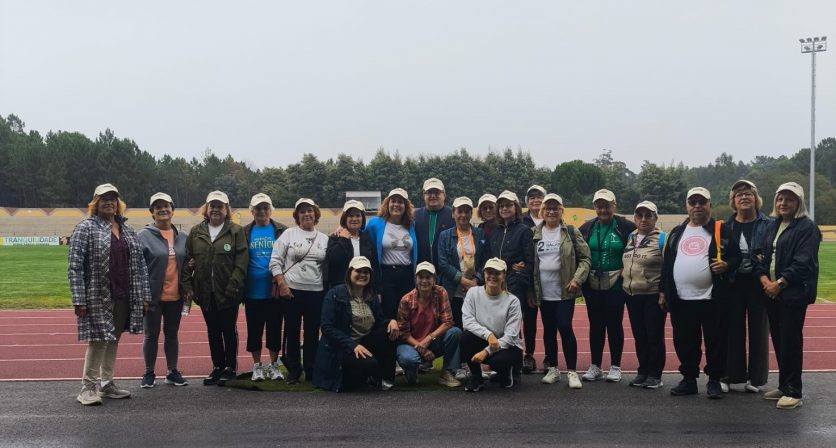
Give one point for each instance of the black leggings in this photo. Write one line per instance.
(223, 336)
(396, 281)
(169, 314)
(605, 310)
(529, 326)
(305, 305)
(380, 366)
(557, 316)
(501, 361)
(260, 314)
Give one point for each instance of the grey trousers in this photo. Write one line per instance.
(169, 314)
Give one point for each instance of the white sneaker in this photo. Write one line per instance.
(552, 376)
(574, 381)
(724, 387)
(273, 371)
(398, 369)
(88, 396)
(386, 385)
(110, 390)
(462, 374)
(258, 372)
(487, 375)
(750, 388)
(614, 374)
(593, 373)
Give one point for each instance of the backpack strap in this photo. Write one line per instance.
(662, 241)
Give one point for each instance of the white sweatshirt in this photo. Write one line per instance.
(483, 314)
(304, 274)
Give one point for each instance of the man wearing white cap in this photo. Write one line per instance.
(697, 257)
(431, 220)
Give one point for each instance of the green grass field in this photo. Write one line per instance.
(34, 277)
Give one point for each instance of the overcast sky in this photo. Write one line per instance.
(268, 81)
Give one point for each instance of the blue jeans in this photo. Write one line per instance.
(446, 346)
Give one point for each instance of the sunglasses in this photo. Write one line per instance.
(700, 201)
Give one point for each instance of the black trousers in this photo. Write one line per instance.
(557, 317)
(380, 366)
(456, 304)
(694, 321)
(647, 321)
(304, 306)
(786, 324)
(605, 310)
(223, 336)
(529, 323)
(746, 315)
(260, 314)
(396, 281)
(502, 361)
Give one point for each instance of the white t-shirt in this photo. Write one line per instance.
(548, 251)
(690, 269)
(214, 231)
(355, 243)
(397, 246)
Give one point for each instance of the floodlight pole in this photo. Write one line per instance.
(813, 45)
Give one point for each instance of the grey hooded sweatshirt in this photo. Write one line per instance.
(155, 251)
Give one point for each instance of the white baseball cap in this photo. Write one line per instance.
(260, 198)
(792, 187)
(462, 200)
(749, 183)
(604, 194)
(301, 201)
(353, 204)
(217, 196)
(433, 182)
(553, 197)
(535, 188)
(699, 191)
(105, 188)
(509, 195)
(425, 266)
(160, 196)
(487, 197)
(359, 263)
(496, 264)
(399, 192)
(648, 205)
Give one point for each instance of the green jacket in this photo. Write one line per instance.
(571, 267)
(220, 266)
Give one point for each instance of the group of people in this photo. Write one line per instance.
(394, 292)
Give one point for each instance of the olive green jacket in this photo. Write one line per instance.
(571, 268)
(220, 266)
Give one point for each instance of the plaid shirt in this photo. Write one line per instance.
(89, 276)
(442, 313)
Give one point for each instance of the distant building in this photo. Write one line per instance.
(370, 199)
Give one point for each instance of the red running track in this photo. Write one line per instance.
(42, 345)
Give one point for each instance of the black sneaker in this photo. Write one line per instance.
(714, 390)
(529, 365)
(639, 380)
(174, 377)
(213, 377)
(293, 377)
(685, 387)
(147, 380)
(227, 375)
(653, 383)
(475, 384)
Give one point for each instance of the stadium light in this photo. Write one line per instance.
(821, 45)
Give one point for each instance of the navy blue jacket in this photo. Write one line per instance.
(513, 243)
(449, 272)
(336, 341)
(796, 258)
(443, 221)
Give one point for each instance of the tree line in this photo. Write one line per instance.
(62, 168)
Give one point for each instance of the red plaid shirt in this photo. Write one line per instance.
(442, 313)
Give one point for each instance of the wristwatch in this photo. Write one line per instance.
(782, 283)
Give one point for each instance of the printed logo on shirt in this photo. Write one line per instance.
(694, 245)
(547, 246)
(403, 244)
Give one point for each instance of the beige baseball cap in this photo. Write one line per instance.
(399, 192)
(742, 182)
(353, 204)
(217, 196)
(702, 191)
(535, 188)
(553, 197)
(462, 200)
(105, 188)
(509, 195)
(495, 264)
(604, 194)
(648, 205)
(359, 263)
(425, 266)
(160, 196)
(301, 201)
(487, 197)
(260, 198)
(433, 182)
(792, 187)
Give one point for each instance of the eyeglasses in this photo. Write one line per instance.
(262, 208)
(695, 202)
(109, 198)
(743, 195)
(432, 193)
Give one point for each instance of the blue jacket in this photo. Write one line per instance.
(758, 232)
(375, 228)
(444, 221)
(449, 265)
(796, 258)
(336, 341)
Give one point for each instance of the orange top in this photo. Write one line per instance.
(171, 289)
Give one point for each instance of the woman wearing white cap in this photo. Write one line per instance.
(641, 278)
(561, 265)
(358, 342)
(534, 202)
(606, 235)
(393, 233)
(487, 213)
(164, 249)
(788, 269)
(512, 242)
(109, 287)
(216, 281)
(491, 317)
(459, 255)
(262, 309)
(347, 242)
(297, 265)
(746, 305)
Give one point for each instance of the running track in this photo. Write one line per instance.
(42, 345)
